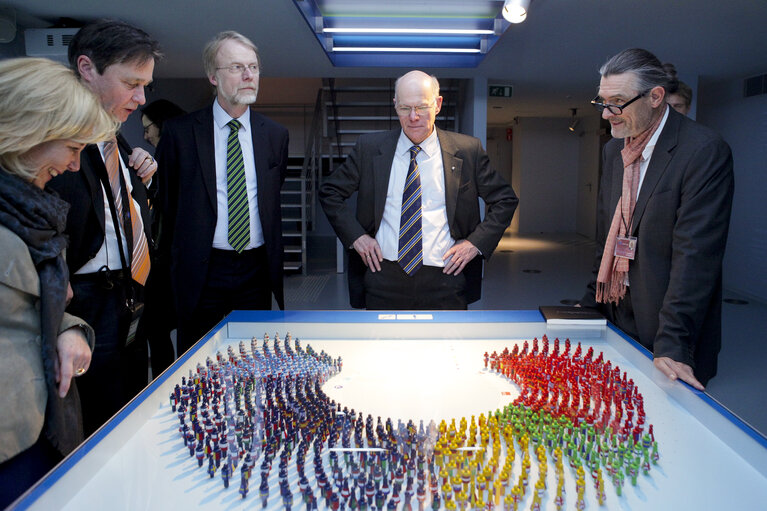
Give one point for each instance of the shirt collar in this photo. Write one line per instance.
(429, 147)
(220, 117)
(650, 147)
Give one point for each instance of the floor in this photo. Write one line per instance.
(531, 270)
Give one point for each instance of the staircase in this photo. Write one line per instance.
(364, 105)
(293, 236)
(344, 110)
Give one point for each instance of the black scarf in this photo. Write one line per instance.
(39, 218)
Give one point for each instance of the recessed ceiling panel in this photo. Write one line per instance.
(404, 33)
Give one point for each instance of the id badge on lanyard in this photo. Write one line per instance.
(625, 246)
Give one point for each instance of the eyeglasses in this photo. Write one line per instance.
(614, 109)
(146, 128)
(404, 110)
(238, 69)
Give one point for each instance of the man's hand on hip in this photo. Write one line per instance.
(459, 256)
(370, 252)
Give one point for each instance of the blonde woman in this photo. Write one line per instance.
(46, 118)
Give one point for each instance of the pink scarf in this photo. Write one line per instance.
(613, 270)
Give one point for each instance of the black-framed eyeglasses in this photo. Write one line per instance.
(614, 109)
(146, 128)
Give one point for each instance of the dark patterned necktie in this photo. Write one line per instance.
(410, 253)
(236, 189)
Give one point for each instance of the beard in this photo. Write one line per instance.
(240, 97)
(245, 97)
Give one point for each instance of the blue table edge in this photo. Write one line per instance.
(334, 316)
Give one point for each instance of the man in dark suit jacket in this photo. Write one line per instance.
(454, 172)
(671, 300)
(116, 61)
(211, 272)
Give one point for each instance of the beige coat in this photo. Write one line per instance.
(23, 393)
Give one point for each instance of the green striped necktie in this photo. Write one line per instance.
(237, 192)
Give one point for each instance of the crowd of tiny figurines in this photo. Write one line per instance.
(269, 401)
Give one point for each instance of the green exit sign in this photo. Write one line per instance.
(500, 91)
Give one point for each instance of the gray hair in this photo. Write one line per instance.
(211, 49)
(645, 66)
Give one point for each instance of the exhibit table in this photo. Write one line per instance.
(423, 374)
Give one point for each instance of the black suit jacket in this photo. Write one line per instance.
(187, 168)
(82, 190)
(468, 176)
(681, 221)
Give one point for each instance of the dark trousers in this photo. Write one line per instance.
(622, 315)
(234, 282)
(117, 372)
(157, 321)
(427, 289)
(19, 473)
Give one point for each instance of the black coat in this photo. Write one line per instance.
(187, 171)
(681, 221)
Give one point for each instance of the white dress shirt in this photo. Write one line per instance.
(436, 232)
(220, 136)
(646, 155)
(648, 150)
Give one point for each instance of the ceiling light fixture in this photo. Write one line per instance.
(378, 49)
(515, 11)
(435, 31)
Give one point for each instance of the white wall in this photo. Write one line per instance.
(589, 154)
(545, 175)
(499, 151)
(743, 124)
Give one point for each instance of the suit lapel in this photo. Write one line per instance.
(260, 156)
(382, 163)
(91, 174)
(203, 137)
(661, 156)
(452, 167)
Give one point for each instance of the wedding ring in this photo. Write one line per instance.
(80, 372)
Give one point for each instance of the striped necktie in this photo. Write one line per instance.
(410, 254)
(237, 193)
(140, 264)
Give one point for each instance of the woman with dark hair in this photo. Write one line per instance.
(154, 115)
(46, 118)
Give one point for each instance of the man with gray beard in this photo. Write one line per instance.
(221, 170)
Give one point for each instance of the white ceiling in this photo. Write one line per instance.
(551, 59)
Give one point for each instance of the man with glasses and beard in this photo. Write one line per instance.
(662, 220)
(222, 168)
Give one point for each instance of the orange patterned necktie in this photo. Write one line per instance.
(140, 254)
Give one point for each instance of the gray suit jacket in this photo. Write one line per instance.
(22, 378)
(681, 221)
(468, 176)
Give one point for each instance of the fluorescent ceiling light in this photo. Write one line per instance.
(446, 31)
(515, 11)
(372, 49)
